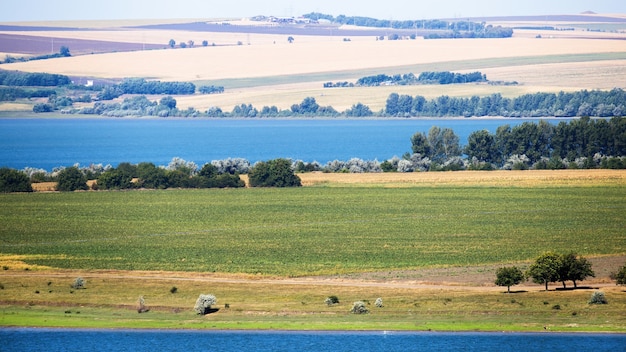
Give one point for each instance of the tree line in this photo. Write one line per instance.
(578, 144)
(35, 79)
(563, 104)
(552, 267)
(64, 51)
(432, 24)
(583, 103)
(444, 77)
(177, 174)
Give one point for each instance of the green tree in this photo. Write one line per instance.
(151, 176)
(274, 173)
(168, 102)
(620, 277)
(118, 178)
(444, 144)
(482, 146)
(14, 181)
(508, 277)
(71, 179)
(574, 268)
(420, 144)
(545, 269)
(65, 51)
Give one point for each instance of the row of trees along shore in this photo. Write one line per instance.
(594, 103)
(578, 144)
(177, 174)
(575, 104)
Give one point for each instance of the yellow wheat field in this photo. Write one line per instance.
(527, 178)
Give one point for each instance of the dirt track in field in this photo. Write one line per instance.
(474, 278)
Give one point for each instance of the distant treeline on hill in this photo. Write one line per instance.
(142, 86)
(444, 77)
(582, 103)
(27, 79)
(452, 29)
(12, 93)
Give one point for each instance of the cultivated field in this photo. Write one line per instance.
(428, 244)
(266, 70)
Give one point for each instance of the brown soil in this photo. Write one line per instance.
(39, 45)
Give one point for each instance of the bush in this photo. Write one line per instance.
(598, 298)
(331, 300)
(274, 173)
(359, 308)
(204, 303)
(79, 283)
(14, 181)
(174, 289)
(379, 302)
(141, 305)
(71, 179)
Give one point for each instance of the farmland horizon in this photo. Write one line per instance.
(34, 10)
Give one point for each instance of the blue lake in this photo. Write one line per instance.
(50, 340)
(49, 143)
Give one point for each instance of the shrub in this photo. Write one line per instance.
(79, 283)
(14, 181)
(598, 298)
(204, 303)
(556, 307)
(141, 305)
(379, 302)
(359, 308)
(174, 289)
(331, 300)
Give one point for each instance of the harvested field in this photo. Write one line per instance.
(291, 59)
(539, 178)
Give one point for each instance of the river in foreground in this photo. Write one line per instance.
(50, 340)
(50, 143)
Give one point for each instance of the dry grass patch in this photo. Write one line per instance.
(564, 76)
(15, 107)
(537, 178)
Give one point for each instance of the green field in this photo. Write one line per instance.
(311, 230)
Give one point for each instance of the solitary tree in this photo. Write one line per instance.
(508, 277)
(290, 39)
(545, 269)
(172, 43)
(71, 179)
(65, 51)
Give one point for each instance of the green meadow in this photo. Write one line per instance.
(311, 230)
